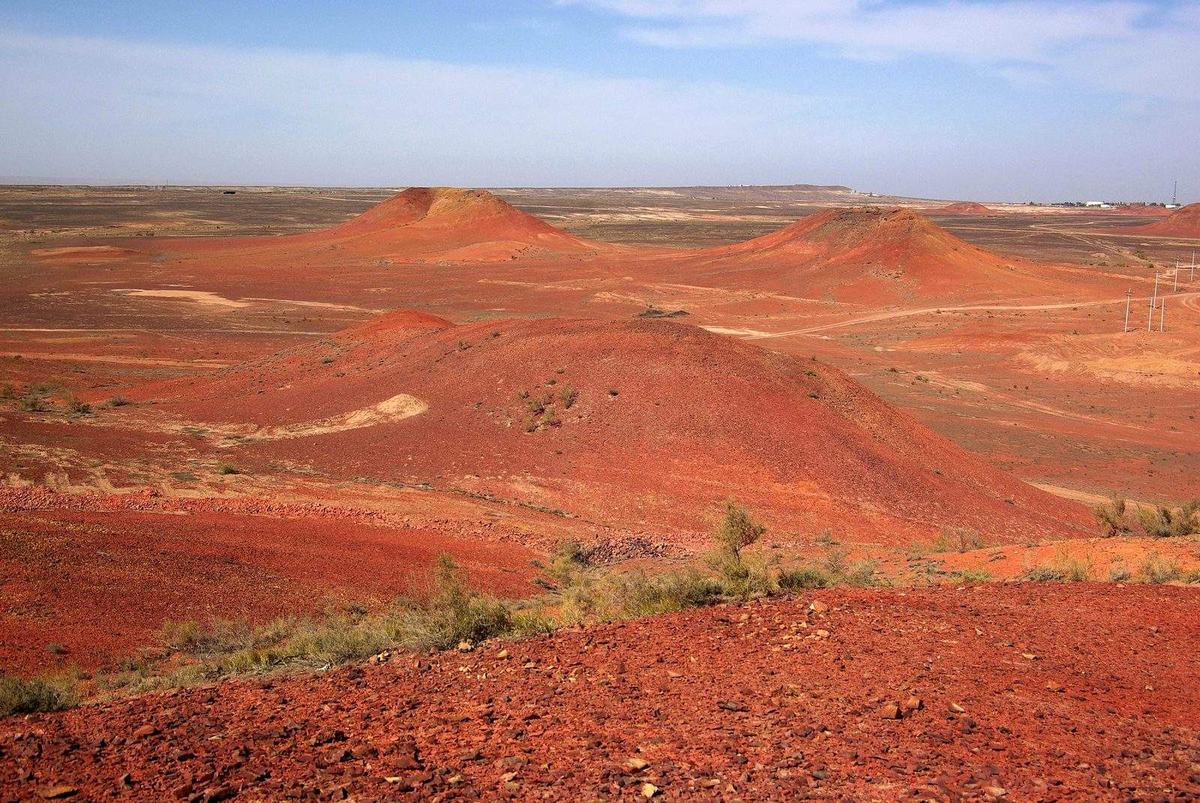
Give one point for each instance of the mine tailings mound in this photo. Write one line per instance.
(420, 223)
(962, 208)
(871, 256)
(648, 424)
(1183, 222)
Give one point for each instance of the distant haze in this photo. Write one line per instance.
(1010, 100)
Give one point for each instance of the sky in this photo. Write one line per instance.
(1007, 100)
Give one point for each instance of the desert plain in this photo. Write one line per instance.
(240, 423)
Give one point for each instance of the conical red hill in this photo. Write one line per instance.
(643, 425)
(1183, 222)
(451, 223)
(871, 256)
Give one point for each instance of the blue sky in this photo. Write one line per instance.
(1004, 100)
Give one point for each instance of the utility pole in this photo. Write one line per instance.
(1176, 289)
(1153, 303)
(1162, 316)
(1128, 298)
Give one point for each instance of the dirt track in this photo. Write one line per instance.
(1081, 692)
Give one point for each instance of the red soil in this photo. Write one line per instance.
(962, 208)
(666, 421)
(1062, 692)
(1183, 222)
(869, 256)
(99, 576)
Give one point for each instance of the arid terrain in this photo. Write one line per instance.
(237, 418)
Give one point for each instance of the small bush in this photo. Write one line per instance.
(118, 401)
(1119, 574)
(638, 595)
(1113, 518)
(958, 539)
(568, 395)
(78, 407)
(973, 575)
(1164, 522)
(36, 695)
(1157, 569)
(860, 573)
(225, 469)
(804, 577)
(568, 560)
(1045, 574)
(33, 403)
(737, 530)
(453, 615)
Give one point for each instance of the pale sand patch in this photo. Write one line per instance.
(725, 330)
(198, 296)
(397, 408)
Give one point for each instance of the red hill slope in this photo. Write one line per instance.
(646, 424)
(871, 255)
(418, 224)
(1183, 222)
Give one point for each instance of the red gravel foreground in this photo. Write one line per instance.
(1027, 692)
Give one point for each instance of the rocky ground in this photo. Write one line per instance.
(1012, 691)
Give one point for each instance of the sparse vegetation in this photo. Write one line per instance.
(957, 539)
(36, 695)
(225, 469)
(78, 407)
(1158, 569)
(118, 401)
(1045, 574)
(568, 396)
(1112, 518)
(1165, 522)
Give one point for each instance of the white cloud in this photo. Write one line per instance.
(115, 109)
(1087, 41)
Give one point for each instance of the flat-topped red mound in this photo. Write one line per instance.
(869, 255)
(1183, 222)
(635, 424)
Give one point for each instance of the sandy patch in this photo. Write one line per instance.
(397, 408)
(198, 296)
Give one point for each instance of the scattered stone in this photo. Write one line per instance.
(1028, 656)
(912, 704)
(816, 606)
(637, 764)
(502, 654)
(465, 646)
(890, 711)
(57, 792)
(958, 709)
(649, 790)
(1055, 687)
(145, 732)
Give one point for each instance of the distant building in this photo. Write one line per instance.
(1097, 204)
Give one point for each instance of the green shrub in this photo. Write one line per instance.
(860, 573)
(453, 615)
(1113, 517)
(1045, 574)
(225, 469)
(1119, 574)
(77, 407)
(568, 395)
(973, 575)
(1164, 522)
(36, 695)
(803, 577)
(1157, 569)
(638, 595)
